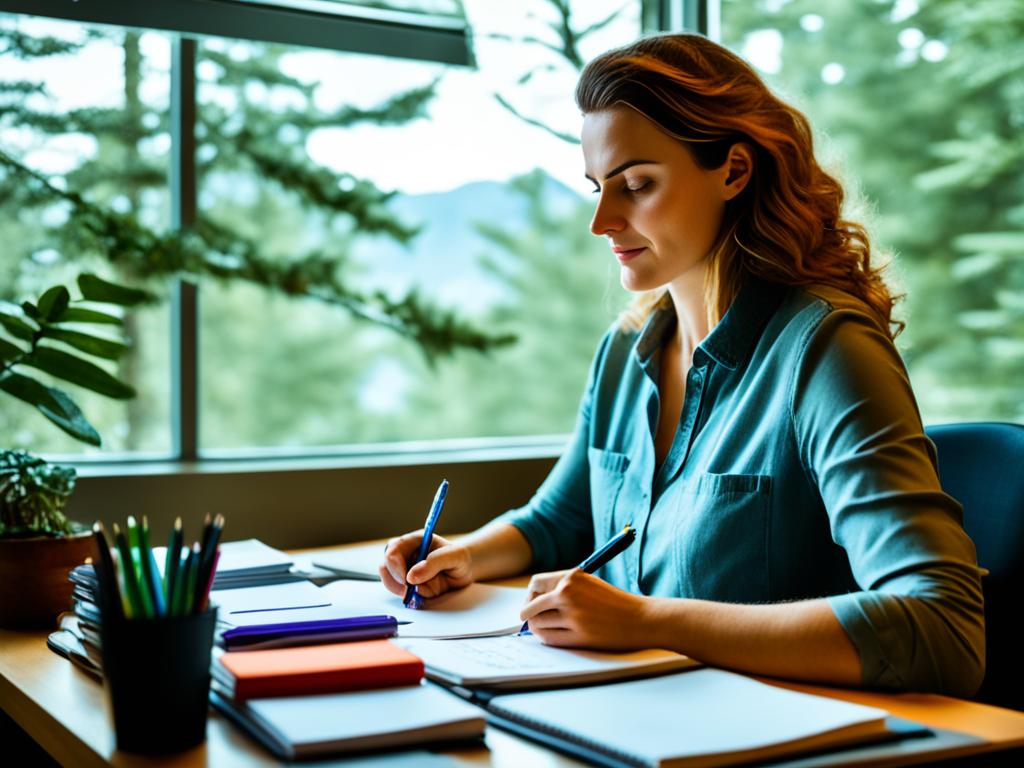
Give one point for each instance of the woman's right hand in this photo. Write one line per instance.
(447, 566)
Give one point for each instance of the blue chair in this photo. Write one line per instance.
(981, 465)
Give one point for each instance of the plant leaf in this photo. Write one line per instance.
(97, 289)
(53, 302)
(75, 370)
(79, 315)
(30, 309)
(9, 351)
(109, 349)
(17, 327)
(53, 404)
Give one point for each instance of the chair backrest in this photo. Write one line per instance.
(981, 465)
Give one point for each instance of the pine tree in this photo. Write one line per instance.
(112, 205)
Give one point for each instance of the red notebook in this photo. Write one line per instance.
(316, 669)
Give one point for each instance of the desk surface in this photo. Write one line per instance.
(66, 711)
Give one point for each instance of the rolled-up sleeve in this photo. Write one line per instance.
(918, 620)
(557, 521)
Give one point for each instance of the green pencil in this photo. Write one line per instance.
(179, 581)
(149, 570)
(131, 585)
(135, 549)
(171, 564)
(191, 567)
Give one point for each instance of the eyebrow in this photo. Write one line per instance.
(620, 168)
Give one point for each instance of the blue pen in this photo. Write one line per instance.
(412, 598)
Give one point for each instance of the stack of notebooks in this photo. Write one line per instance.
(247, 563)
(307, 701)
(251, 563)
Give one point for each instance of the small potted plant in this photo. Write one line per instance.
(54, 335)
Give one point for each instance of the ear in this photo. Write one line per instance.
(738, 168)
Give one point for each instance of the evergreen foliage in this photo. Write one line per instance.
(250, 138)
(927, 115)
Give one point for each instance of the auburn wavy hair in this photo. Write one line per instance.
(785, 226)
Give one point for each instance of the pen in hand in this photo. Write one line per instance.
(616, 545)
(412, 598)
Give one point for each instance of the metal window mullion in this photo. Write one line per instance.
(185, 296)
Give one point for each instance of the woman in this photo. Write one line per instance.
(751, 416)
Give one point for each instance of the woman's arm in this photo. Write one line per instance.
(800, 640)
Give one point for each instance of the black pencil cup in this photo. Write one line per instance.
(157, 674)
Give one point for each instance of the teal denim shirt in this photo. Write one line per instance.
(800, 469)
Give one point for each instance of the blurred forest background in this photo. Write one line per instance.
(918, 105)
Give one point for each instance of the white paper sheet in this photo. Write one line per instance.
(476, 611)
(522, 660)
(359, 562)
(234, 603)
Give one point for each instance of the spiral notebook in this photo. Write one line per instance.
(699, 719)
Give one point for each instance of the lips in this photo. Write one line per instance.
(627, 254)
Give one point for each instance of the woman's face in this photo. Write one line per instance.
(660, 211)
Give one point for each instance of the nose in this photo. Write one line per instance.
(606, 219)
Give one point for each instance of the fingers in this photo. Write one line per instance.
(542, 583)
(395, 572)
(390, 584)
(398, 552)
(443, 559)
(549, 601)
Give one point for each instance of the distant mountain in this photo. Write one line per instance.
(443, 258)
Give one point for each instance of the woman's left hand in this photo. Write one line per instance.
(578, 610)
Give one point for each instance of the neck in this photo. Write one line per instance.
(692, 325)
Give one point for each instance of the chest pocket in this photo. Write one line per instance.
(721, 541)
(607, 474)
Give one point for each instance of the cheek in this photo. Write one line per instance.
(694, 219)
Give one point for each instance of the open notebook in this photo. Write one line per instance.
(700, 719)
(522, 661)
(306, 726)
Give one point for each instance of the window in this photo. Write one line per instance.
(477, 171)
(86, 107)
(918, 105)
(500, 216)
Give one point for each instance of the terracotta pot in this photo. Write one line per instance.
(34, 584)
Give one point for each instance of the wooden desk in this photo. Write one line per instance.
(66, 712)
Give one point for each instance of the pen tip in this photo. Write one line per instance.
(177, 523)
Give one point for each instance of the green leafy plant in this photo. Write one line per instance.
(33, 494)
(55, 335)
(34, 328)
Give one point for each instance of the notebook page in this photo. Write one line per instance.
(524, 660)
(477, 610)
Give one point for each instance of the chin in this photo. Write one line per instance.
(636, 281)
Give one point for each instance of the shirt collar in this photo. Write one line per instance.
(733, 339)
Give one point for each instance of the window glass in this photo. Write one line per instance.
(919, 105)
(86, 108)
(482, 164)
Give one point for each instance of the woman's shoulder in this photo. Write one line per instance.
(816, 309)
